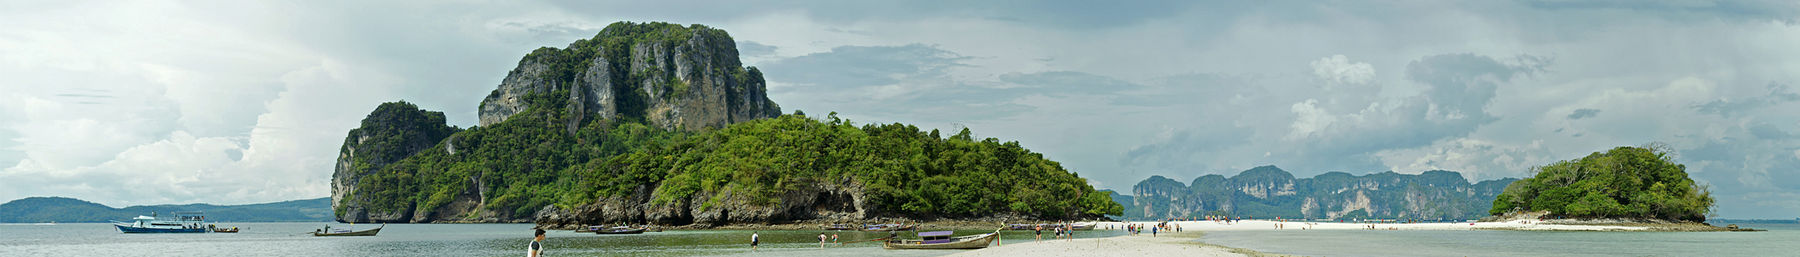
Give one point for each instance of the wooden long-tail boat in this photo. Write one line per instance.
(839, 227)
(1083, 226)
(619, 230)
(328, 232)
(889, 227)
(942, 240)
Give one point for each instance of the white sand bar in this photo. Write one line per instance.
(1187, 242)
(1143, 245)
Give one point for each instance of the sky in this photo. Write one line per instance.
(230, 102)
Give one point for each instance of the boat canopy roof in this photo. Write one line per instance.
(935, 233)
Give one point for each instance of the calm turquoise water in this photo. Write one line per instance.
(1780, 240)
(290, 239)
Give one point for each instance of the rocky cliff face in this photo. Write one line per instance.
(392, 132)
(669, 75)
(1271, 192)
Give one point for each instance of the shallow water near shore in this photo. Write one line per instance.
(1777, 241)
(290, 239)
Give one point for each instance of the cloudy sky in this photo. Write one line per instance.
(150, 102)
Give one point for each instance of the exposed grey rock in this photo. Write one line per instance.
(1269, 192)
(509, 99)
(691, 85)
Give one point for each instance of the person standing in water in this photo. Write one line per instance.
(753, 238)
(821, 240)
(536, 249)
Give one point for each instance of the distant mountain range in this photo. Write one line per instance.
(1269, 192)
(70, 210)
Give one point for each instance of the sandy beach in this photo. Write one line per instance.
(1186, 243)
(1247, 225)
(1164, 244)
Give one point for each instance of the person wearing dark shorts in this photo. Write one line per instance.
(753, 237)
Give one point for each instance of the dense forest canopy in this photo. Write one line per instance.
(531, 160)
(1625, 182)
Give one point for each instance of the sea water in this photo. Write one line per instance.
(1779, 240)
(293, 239)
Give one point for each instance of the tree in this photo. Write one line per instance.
(1626, 182)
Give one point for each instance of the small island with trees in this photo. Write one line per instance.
(1639, 186)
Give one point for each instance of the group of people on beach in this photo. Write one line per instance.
(1223, 219)
(1137, 229)
(1062, 230)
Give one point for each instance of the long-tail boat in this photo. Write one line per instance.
(346, 232)
(943, 240)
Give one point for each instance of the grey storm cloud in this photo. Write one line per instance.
(1751, 10)
(1062, 14)
(1777, 94)
(1583, 113)
(752, 48)
(1459, 89)
(861, 66)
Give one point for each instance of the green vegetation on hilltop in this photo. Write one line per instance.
(903, 169)
(1625, 182)
(532, 160)
(521, 164)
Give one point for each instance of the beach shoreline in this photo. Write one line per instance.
(1187, 242)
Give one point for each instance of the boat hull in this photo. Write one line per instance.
(620, 231)
(142, 230)
(964, 242)
(370, 232)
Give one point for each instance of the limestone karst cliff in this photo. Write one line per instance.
(660, 123)
(392, 132)
(1270, 192)
(669, 75)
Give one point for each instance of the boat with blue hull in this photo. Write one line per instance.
(182, 222)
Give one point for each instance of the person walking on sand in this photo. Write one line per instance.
(753, 239)
(536, 248)
(1152, 231)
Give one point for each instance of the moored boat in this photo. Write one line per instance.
(183, 222)
(347, 232)
(839, 227)
(889, 227)
(942, 240)
(1084, 226)
(619, 230)
(1075, 226)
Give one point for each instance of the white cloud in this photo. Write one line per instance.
(1338, 69)
(1309, 119)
